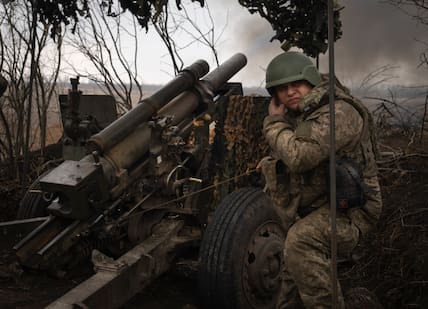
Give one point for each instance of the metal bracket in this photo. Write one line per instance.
(104, 263)
(116, 281)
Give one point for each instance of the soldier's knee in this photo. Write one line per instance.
(293, 244)
(302, 242)
(291, 238)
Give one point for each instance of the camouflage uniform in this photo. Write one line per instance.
(301, 142)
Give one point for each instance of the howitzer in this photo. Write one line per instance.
(89, 190)
(142, 195)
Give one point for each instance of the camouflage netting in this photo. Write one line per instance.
(239, 143)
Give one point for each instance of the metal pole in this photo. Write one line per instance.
(332, 155)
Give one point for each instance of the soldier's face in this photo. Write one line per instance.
(290, 94)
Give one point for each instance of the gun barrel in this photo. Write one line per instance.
(132, 148)
(225, 71)
(187, 102)
(122, 127)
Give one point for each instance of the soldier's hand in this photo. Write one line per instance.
(275, 108)
(263, 161)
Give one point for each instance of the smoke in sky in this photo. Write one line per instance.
(374, 34)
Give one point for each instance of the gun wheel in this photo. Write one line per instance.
(241, 253)
(35, 201)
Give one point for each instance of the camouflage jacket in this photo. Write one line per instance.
(301, 142)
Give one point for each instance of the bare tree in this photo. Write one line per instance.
(166, 32)
(417, 9)
(15, 60)
(99, 38)
(46, 81)
(378, 76)
(394, 112)
(16, 125)
(424, 119)
(199, 28)
(206, 37)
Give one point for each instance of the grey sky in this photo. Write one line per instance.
(374, 34)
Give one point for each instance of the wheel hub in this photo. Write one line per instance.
(263, 265)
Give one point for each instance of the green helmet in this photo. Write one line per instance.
(289, 67)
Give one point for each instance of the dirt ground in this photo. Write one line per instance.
(393, 263)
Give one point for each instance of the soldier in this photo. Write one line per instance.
(297, 130)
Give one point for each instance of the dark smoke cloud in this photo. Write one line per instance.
(374, 34)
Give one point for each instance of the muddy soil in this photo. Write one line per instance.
(393, 262)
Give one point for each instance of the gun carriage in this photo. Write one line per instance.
(144, 193)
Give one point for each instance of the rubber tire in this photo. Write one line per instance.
(33, 204)
(224, 246)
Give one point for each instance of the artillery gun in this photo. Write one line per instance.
(82, 116)
(144, 195)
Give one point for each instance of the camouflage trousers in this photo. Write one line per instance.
(307, 272)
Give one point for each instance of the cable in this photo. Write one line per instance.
(162, 205)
